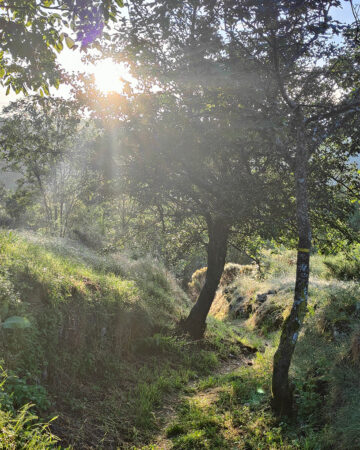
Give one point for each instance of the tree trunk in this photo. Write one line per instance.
(281, 391)
(218, 230)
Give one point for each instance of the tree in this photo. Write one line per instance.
(45, 141)
(218, 63)
(188, 166)
(34, 31)
(291, 44)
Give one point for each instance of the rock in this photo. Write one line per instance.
(261, 298)
(241, 309)
(235, 305)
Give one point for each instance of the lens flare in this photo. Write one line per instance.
(111, 77)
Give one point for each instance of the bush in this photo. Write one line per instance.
(345, 267)
(20, 428)
(24, 431)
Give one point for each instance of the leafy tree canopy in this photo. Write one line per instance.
(33, 32)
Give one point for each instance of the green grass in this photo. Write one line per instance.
(23, 430)
(237, 417)
(324, 372)
(345, 266)
(101, 352)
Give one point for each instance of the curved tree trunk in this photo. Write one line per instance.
(281, 391)
(195, 324)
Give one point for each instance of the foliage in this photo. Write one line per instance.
(231, 410)
(242, 129)
(53, 155)
(101, 348)
(23, 430)
(34, 32)
(345, 266)
(17, 392)
(19, 426)
(121, 399)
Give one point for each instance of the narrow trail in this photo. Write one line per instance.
(202, 397)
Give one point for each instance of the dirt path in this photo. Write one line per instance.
(204, 398)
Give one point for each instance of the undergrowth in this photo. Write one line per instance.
(20, 427)
(233, 410)
(101, 349)
(98, 347)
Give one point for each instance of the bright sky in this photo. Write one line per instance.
(108, 76)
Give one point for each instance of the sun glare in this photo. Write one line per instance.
(111, 77)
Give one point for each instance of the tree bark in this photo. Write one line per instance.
(282, 401)
(218, 230)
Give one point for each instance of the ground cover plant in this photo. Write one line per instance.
(219, 388)
(112, 335)
(231, 410)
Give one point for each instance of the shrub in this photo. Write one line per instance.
(345, 267)
(19, 426)
(24, 431)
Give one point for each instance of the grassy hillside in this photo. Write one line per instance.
(324, 371)
(100, 350)
(92, 339)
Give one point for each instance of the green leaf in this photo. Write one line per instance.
(16, 322)
(59, 47)
(69, 42)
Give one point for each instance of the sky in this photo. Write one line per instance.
(108, 75)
